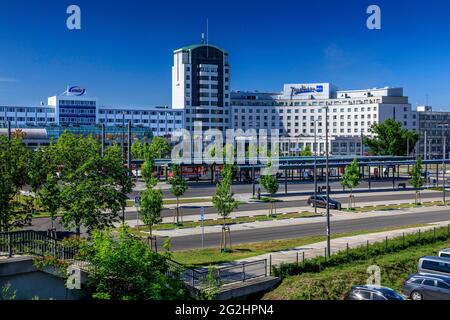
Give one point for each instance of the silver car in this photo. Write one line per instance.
(421, 286)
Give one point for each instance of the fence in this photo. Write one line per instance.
(33, 243)
(241, 272)
(315, 259)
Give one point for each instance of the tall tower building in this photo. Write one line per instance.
(201, 86)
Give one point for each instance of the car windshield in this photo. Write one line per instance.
(393, 296)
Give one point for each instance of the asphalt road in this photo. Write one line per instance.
(195, 210)
(44, 223)
(313, 229)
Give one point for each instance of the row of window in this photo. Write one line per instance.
(27, 119)
(139, 113)
(76, 103)
(27, 110)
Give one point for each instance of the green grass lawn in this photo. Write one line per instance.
(396, 206)
(200, 257)
(334, 282)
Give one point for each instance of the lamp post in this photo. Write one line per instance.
(444, 168)
(327, 183)
(315, 166)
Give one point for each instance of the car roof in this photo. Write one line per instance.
(373, 288)
(443, 259)
(445, 250)
(429, 275)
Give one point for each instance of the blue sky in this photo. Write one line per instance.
(123, 54)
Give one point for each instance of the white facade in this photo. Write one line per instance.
(162, 121)
(201, 86)
(351, 113)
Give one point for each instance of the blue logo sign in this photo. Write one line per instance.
(202, 213)
(77, 91)
(304, 89)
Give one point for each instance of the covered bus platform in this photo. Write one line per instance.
(302, 168)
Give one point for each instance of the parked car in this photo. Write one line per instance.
(445, 253)
(372, 293)
(427, 287)
(321, 202)
(434, 265)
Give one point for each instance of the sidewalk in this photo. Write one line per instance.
(339, 244)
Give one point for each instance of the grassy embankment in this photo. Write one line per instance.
(332, 283)
(209, 256)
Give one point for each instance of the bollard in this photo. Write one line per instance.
(297, 258)
(325, 255)
(303, 258)
(386, 245)
(270, 265)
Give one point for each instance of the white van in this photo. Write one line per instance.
(434, 265)
(445, 253)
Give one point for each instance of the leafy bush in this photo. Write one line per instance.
(318, 264)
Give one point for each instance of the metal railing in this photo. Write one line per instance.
(33, 243)
(241, 272)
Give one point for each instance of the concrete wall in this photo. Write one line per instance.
(28, 282)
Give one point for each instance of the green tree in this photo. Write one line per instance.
(71, 152)
(91, 197)
(223, 200)
(148, 173)
(38, 170)
(120, 175)
(122, 267)
(306, 152)
(151, 207)
(351, 179)
(270, 183)
(417, 178)
(137, 149)
(178, 187)
(50, 197)
(159, 148)
(390, 138)
(14, 158)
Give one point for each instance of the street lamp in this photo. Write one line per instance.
(315, 165)
(327, 183)
(444, 167)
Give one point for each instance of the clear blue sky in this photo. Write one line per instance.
(123, 54)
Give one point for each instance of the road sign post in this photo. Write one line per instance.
(202, 218)
(137, 204)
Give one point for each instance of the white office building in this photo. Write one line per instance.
(299, 114)
(201, 86)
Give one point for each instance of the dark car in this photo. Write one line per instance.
(321, 202)
(372, 293)
(422, 286)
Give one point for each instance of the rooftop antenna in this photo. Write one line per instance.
(426, 97)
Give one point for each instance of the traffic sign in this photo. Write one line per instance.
(137, 201)
(202, 213)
